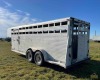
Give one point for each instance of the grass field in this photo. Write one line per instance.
(16, 67)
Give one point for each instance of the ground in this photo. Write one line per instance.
(16, 67)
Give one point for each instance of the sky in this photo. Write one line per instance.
(20, 12)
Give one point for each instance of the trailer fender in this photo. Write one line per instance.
(45, 54)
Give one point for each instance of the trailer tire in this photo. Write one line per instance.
(30, 55)
(39, 58)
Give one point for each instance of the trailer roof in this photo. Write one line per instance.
(48, 22)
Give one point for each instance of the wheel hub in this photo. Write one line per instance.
(38, 58)
(29, 56)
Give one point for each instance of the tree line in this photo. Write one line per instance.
(8, 39)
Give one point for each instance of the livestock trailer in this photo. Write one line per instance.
(64, 42)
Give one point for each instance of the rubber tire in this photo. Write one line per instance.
(30, 55)
(40, 55)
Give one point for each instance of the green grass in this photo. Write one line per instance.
(16, 67)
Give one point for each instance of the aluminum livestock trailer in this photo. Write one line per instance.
(64, 42)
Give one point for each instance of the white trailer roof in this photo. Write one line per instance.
(48, 22)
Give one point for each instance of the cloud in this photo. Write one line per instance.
(7, 4)
(26, 13)
(19, 11)
(13, 18)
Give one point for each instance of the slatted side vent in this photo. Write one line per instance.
(42, 32)
(80, 27)
(62, 23)
(77, 31)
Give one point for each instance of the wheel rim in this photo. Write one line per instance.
(38, 58)
(29, 56)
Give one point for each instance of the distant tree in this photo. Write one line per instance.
(1, 39)
(8, 39)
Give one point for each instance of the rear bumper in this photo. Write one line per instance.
(78, 63)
